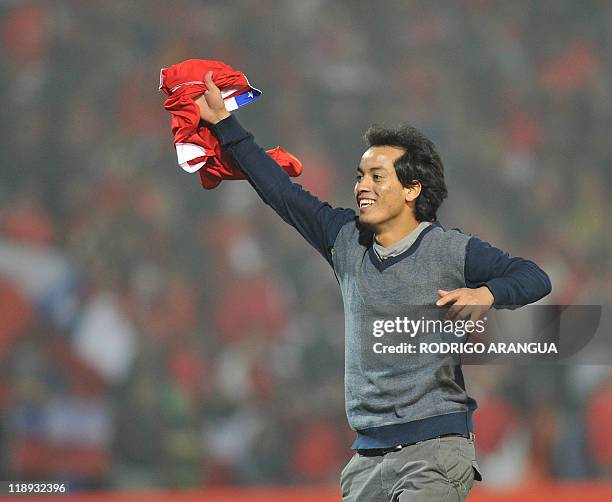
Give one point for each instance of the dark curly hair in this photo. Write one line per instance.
(420, 163)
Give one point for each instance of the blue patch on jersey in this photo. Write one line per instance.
(246, 97)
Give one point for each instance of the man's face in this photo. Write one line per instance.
(381, 198)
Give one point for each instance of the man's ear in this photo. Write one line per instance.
(413, 191)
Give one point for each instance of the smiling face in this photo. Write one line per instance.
(382, 200)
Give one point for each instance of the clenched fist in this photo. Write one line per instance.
(212, 107)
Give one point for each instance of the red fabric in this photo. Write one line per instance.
(598, 417)
(523, 130)
(16, 313)
(263, 309)
(80, 376)
(24, 33)
(572, 70)
(183, 83)
(34, 457)
(188, 370)
(494, 420)
(318, 453)
(28, 224)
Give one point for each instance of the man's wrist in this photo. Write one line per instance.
(222, 116)
(488, 295)
(229, 131)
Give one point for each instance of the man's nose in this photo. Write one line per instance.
(362, 186)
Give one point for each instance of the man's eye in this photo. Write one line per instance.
(377, 177)
(358, 177)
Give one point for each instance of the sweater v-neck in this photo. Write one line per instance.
(382, 265)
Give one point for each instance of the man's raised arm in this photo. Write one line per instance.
(315, 220)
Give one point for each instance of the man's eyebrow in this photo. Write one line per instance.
(375, 168)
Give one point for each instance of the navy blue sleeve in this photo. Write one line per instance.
(513, 281)
(315, 220)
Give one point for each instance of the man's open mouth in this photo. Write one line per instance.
(363, 203)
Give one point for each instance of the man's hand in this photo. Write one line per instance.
(466, 302)
(212, 107)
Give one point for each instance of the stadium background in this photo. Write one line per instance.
(157, 336)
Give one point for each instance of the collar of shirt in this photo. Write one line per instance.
(401, 245)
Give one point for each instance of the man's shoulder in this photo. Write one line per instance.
(446, 240)
(353, 233)
(353, 237)
(439, 232)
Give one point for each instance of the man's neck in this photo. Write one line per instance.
(388, 236)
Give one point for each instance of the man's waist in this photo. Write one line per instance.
(393, 435)
(378, 452)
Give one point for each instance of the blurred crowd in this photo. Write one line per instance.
(156, 334)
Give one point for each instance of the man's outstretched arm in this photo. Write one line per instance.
(314, 219)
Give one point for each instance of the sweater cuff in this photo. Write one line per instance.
(498, 290)
(229, 131)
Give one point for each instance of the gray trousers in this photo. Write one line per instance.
(436, 470)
